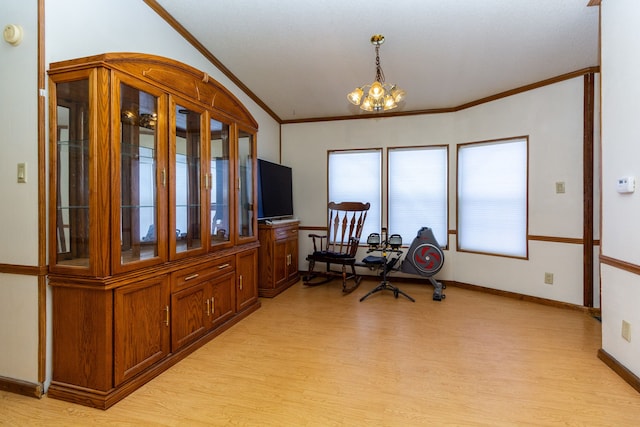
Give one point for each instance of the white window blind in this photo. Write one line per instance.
(418, 192)
(355, 176)
(492, 197)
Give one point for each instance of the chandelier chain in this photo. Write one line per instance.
(379, 72)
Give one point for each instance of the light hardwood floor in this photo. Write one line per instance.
(313, 357)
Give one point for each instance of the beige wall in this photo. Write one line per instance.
(620, 157)
(552, 118)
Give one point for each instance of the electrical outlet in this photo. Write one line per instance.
(626, 330)
(548, 278)
(559, 187)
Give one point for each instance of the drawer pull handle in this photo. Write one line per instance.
(213, 305)
(193, 276)
(220, 267)
(208, 310)
(240, 282)
(166, 320)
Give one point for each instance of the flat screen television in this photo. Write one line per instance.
(275, 191)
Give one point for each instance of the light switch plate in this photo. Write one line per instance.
(22, 173)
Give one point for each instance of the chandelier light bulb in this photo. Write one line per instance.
(367, 104)
(389, 103)
(397, 94)
(376, 91)
(356, 96)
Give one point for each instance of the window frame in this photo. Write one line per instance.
(445, 243)
(371, 213)
(525, 139)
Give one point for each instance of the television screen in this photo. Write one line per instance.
(275, 190)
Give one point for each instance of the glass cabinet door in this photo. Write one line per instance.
(219, 180)
(140, 223)
(71, 221)
(187, 216)
(245, 204)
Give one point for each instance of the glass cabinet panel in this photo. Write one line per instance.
(245, 184)
(187, 179)
(138, 172)
(219, 170)
(72, 184)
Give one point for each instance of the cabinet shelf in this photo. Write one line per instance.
(139, 157)
(63, 208)
(76, 144)
(138, 207)
(75, 262)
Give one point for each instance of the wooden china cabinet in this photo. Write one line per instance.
(152, 233)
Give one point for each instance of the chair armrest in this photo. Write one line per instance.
(314, 237)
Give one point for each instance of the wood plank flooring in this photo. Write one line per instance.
(313, 357)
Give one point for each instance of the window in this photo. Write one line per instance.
(356, 176)
(492, 197)
(418, 192)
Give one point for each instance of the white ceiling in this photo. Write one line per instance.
(301, 58)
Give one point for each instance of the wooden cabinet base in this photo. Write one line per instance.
(272, 292)
(104, 400)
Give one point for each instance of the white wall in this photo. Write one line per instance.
(620, 157)
(552, 118)
(19, 207)
(19, 136)
(74, 28)
(77, 28)
(305, 145)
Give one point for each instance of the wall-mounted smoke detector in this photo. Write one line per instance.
(13, 34)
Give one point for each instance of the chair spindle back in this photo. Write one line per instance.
(346, 221)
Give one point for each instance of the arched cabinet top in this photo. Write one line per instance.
(170, 75)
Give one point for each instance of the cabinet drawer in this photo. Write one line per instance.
(196, 274)
(286, 233)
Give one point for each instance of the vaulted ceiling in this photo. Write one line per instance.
(300, 58)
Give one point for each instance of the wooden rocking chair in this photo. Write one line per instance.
(339, 246)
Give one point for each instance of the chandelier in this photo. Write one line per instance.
(380, 95)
